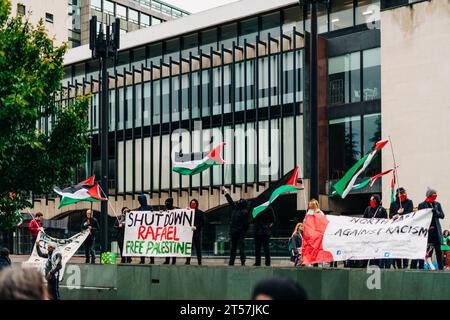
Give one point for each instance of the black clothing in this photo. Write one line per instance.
(197, 245)
(262, 241)
(378, 212)
(52, 267)
(4, 262)
(414, 263)
(262, 234)
(167, 261)
(239, 224)
(407, 206)
(199, 221)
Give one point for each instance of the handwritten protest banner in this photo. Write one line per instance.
(67, 248)
(159, 233)
(329, 238)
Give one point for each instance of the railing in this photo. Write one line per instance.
(162, 8)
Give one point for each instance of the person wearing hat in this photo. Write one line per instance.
(402, 205)
(435, 230)
(239, 225)
(169, 206)
(278, 288)
(52, 267)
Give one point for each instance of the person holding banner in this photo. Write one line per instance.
(402, 205)
(314, 208)
(169, 206)
(119, 225)
(239, 225)
(142, 199)
(89, 244)
(35, 226)
(435, 231)
(52, 267)
(199, 221)
(375, 210)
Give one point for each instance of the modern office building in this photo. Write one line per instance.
(239, 74)
(68, 20)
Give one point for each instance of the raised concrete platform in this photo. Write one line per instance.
(138, 282)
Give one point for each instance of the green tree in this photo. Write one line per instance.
(31, 70)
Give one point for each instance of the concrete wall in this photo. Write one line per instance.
(141, 282)
(415, 105)
(38, 8)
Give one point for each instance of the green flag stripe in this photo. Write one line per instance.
(282, 189)
(341, 185)
(201, 167)
(66, 201)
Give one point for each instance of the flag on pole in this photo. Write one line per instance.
(287, 183)
(368, 182)
(346, 184)
(393, 187)
(196, 166)
(86, 190)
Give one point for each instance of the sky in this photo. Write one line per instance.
(194, 6)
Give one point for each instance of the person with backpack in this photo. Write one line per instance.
(295, 244)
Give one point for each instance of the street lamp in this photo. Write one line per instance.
(313, 99)
(104, 45)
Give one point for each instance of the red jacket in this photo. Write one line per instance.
(34, 227)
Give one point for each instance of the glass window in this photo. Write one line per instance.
(293, 17)
(108, 7)
(367, 11)
(344, 144)
(249, 31)
(172, 48)
(133, 16)
(322, 19)
(20, 9)
(341, 15)
(190, 44)
(208, 39)
(49, 17)
(155, 53)
(228, 34)
(96, 4)
(372, 134)
(121, 11)
(155, 21)
(270, 24)
(344, 79)
(371, 74)
(145, 20)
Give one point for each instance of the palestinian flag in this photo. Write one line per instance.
(346, 184)
(393, 187)
(87, 190)
(196, 166)
(288, 183)
(370, 181)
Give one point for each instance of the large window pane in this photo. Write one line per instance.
(270, 24)
(367, 11)
(96, 4)
(208, 39)
(322, 19)
(344, 144)
(145, 20)
(371, 74)
(121, 11)
(133, 16)
(108, 7)
(344, 79)
(292, 18)
(372, 134)
(228, 35)
(341, 15)
(248, 30)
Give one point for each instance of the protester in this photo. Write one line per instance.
(90, 223)
(119, 225)
(402, 205)
(5, 261)
(169, 206)
(239, 225)
(199, 221)
(52, 267)
(144, 206)
(376, 210)
(314, 208)
(263, 223)
(445, 248)
(22, 284)
(35, 226)
(435, 231)
(278, 288)
(296, 244)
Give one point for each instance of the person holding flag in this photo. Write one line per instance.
(90, 223)
(35, 227)
(402, 205)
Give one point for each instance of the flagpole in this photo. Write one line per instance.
(395, 170)
(110, 205)
(304, 192)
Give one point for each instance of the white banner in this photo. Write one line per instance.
(159, 233)
(67, 248)
(336, 238)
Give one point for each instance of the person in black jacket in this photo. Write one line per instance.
(90, 223)
(119, 225)
(199, 222)
(169, 206)
(375, 210)
(239, 224)
(435, 230)
(142, 199)
(402, 205)
(262, 224)
(52, 267)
